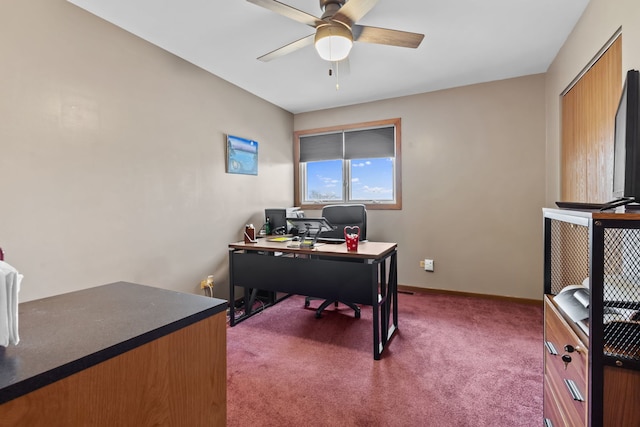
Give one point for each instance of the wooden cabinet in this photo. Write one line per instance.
(565, 373)
(592, 348)
(117, 355)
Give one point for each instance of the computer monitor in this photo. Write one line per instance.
(277, 219)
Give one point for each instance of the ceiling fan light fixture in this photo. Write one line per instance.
(333, 42)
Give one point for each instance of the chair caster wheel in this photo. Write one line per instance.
(318, 315)
(357, 314)
(307, 303)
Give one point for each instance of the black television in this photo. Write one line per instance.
(626, 151)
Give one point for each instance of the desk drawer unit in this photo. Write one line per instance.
(591, 370)
(565, 370)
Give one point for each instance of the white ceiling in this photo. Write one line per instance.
(466, 42)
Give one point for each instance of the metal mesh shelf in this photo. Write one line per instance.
(603, 254)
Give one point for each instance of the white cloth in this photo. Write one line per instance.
(10, 281)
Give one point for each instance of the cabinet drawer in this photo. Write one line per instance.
(566, 378)
(559, 335)
(551, 409)
(573, 412)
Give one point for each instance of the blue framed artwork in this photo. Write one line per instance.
(242, 155)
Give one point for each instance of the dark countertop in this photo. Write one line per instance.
(64, 334)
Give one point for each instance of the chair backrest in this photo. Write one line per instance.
(341, 216)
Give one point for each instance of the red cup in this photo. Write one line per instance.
(351, 237)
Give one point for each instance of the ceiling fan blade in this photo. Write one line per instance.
(353, 11)
(366, 34)
(289, 12)
(291, 47)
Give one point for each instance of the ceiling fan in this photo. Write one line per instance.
(336, 29)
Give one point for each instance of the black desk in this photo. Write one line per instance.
(326, 272)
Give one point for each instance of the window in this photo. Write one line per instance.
(357, 163)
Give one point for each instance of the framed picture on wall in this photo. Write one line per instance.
(242, 155)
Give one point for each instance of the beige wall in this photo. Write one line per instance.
(112, 166)
(473, 185)
(599, 22)
(112, 156)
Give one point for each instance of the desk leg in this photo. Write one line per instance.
(375, 298)
(393, 284)
(385, 295)
(248, 302)
(392, 298)
(232, 293)
(385, 302)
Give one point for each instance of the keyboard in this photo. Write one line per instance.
(330, 240)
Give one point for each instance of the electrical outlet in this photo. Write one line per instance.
(422, 263)
(207, 283)
(428, 265)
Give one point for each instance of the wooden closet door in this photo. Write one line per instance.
(588, 123)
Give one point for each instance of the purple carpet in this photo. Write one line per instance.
(455, 361)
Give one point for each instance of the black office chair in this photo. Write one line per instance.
(341, 216)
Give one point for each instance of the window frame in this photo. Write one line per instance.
(297, 166)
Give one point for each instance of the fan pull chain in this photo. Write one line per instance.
(337, 76)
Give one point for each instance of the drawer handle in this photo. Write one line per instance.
(573, 389)
(551, 348)
(548, 423)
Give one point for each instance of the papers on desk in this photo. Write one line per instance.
(280, 239)
(10, 281)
